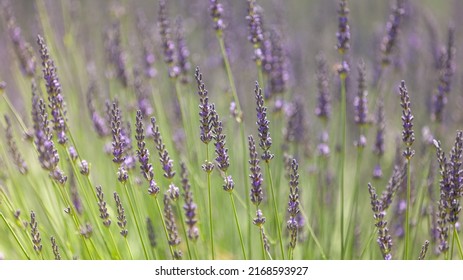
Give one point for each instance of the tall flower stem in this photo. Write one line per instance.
(135, 218)
(209, 202)
(179, 208)
(457, 238)
(158, 206)
(275, 210)
(407, 213)
(239, 119)
(232, 200)
(15, 236)
(342, 161)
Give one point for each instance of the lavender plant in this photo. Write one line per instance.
(104, 104)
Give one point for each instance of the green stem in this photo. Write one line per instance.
(164, 225)
(238, 225)
(455, 236)
(15, 236)
(209, 202)
(407, 213)
(135, 218)
(342, 162)
(179, 208)
(275, 210)
(128, 247)
(229, 74)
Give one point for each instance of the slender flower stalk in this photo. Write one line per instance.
(265, 142)
(408, 137)
(223, 162)
(343, 45)
(206, 137)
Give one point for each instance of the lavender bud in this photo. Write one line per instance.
(174, 192)
(84, 168)
(122, 175)
(260, 219)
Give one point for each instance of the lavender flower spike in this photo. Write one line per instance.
(263, 125)
(384, 239)
(456, 182)
(256, 174)
(164, 158)
(55, 98)
(408, 136)
(293, 204)
(216, 11)
(222, 159)
(144, 155)
(118, 143)
(122, 221)
(343, 34)
(102, 207)
(35, 234)
(18, 160)
(204, 109)
(174, 239)
(189, 206)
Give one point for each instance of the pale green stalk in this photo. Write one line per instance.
(232, 200)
